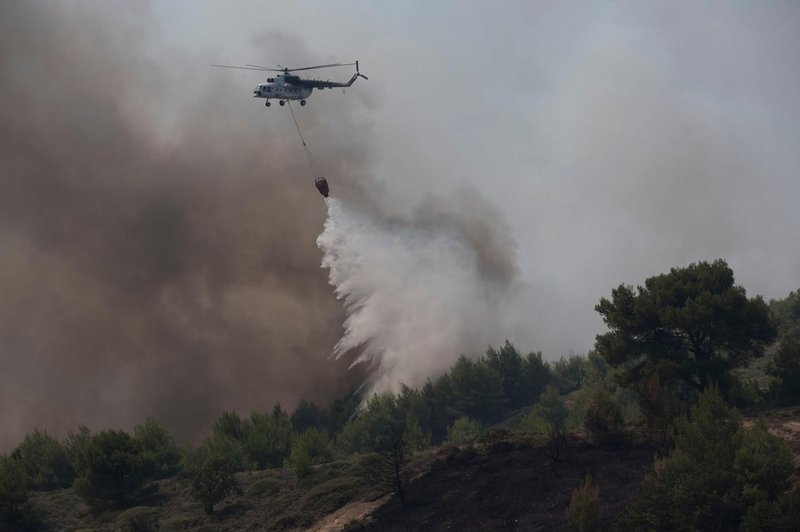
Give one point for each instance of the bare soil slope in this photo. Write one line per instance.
(511, 486)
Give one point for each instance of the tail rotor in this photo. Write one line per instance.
(359, 73)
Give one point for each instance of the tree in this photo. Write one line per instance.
(74, 444)
(786, 313)
(306, 415)
(212, 470)
(691, 326)
(114, 469)
(551, 409)
(229, 425)
(414, 438)
(536, 375)
(716, 473)
(158, 448)
(477, 390)
(15, 510)
(310, 448)
(267, 439)
(785, 367)
(385, 426)
(45, 460)
(569, 372)
(523, 378)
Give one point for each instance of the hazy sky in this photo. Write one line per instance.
(158, 225)
(618, 138)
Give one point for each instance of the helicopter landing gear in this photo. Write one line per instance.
(282, 103)
(302, 102)
(267, 104)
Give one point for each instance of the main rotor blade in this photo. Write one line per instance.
(320, 66)
(244, 68)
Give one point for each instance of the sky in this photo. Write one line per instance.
(618, 138)
(159, 226)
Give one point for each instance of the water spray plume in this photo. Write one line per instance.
(415, 295)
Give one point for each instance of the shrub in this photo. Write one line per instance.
(301, 461)
(114, 469)
(583, 513)
(464, 430)
(602, 419)
(331, 495)
(139, 519)
(266, 486)
(180, 522)
(45, 460)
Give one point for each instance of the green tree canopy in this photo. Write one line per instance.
(785, 367)
(691, 326)
(14, 509)
(553, 412)
(716, 473)
(159, 448)
(212, 470)
(392, 433)
(114, 468)
(267, 439)
(786, 313)
(45, 460)
(306, 415)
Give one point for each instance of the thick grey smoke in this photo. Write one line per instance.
(158, 227)
(420, 291)
(157, 260)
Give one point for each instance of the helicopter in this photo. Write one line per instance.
(287, 86)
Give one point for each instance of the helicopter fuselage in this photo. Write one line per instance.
(279, 89)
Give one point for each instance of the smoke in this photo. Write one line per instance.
(157, 232)
(420, 290)
(158, 228)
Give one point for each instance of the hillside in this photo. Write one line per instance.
(513, 483)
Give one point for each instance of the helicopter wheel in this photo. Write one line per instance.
(267, 104)
(282, 103)
(302, 102)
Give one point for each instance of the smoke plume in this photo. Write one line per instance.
(158, 245)
(158, 229)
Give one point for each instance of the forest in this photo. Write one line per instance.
(689, 377)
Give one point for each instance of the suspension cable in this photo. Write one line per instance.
(312, 163)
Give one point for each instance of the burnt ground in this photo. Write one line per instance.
(511, 486)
